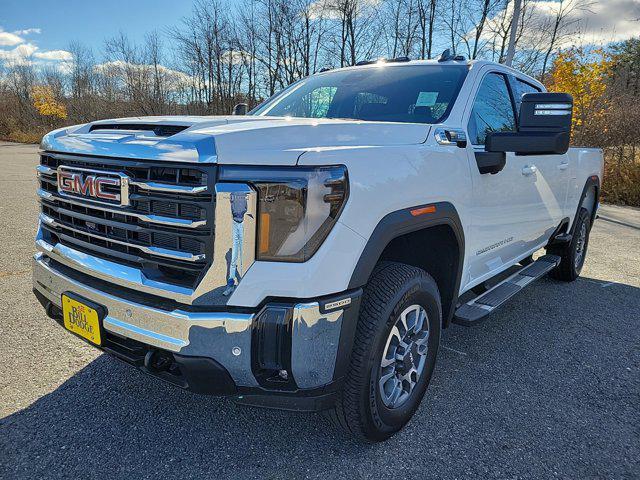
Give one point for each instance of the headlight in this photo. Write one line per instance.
(297, 207)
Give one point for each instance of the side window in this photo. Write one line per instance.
(492, 109)
(523, 87)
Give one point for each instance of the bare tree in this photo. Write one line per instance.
(359, 30)
(82, 82)
(426, 24)
(560, 26)
(452, 20)
(208, 49)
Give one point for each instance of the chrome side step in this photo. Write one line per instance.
(475, 310)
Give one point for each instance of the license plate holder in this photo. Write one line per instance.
(83, 317)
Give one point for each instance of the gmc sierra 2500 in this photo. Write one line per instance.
(307, 255)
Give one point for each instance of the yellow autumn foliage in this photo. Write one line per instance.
(584, 75)
(45, 102)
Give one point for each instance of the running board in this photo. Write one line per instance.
(472, 312)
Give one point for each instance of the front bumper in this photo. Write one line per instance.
(217, 352)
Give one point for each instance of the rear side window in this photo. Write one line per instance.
(524, 87)
(492, 109)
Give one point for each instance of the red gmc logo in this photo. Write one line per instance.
(87, 185)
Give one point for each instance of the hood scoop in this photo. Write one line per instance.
(158, 130)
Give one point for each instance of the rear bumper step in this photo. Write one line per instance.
(475, 310)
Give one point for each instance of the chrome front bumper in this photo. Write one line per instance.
(211, 334)
(225, 337)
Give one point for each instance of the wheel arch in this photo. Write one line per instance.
(430, 237)
(588, 199)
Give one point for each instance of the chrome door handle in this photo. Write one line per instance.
(529, 170)
(563, 165)
(451, 137)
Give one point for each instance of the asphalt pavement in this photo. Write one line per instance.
(548, 387)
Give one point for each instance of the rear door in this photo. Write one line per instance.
(503, 226)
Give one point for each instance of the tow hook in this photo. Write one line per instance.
(158, 361)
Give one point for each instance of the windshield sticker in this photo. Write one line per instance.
(426, 99)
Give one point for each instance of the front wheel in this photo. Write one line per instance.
(394, 352)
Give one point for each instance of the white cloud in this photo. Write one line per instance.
(28, 31)
(19, 55)
(607, 21)
(330, 9)
(25, 52)
(588, 22)
(54, 55)
(236, 57)
(8, 39)
(64, 67)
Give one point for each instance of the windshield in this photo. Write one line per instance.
(411, 93)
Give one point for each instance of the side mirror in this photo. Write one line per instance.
(544, 127)
(240, 109)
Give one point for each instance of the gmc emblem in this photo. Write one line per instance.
(94, 185)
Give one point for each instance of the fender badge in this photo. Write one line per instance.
(337, 304)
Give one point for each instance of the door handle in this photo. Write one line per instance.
(451, 137)
(529, 170)
(563, 165)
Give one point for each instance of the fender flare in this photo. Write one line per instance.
(592, 182)
(402, 222)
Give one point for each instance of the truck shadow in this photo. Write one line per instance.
(508, 390)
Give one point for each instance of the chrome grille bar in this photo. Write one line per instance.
(165, 187)
(44, 170)
(147, 186)
(159, 251)
(173, 222)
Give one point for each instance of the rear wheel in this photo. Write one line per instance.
(574, 253)
(394, 352)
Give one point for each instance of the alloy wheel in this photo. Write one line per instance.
(404, 357)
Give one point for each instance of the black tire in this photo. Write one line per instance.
(574, 253)
(394, 288)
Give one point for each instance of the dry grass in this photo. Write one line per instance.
(22, 137)
(621, 185)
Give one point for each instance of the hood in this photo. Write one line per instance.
(236, 140)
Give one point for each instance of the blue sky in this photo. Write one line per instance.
(90, 21)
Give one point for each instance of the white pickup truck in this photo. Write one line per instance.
(306, 255)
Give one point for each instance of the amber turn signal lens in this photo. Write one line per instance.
(265, 226)
(421, 211)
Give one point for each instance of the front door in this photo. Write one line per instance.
(503, 222)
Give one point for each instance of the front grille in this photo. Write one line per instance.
(166, 230)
